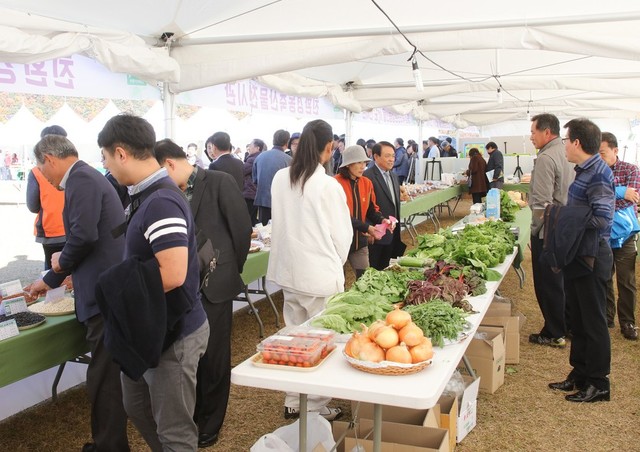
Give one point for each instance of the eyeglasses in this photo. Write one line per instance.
(564, 140)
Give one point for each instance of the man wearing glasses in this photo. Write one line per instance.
(550, 180)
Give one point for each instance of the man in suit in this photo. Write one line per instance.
(224, 161)
(265, 167)
(219, 212)
(387, 190)
(92, 210)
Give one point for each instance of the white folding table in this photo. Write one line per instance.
(336, 378)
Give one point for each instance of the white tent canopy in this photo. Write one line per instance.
(572, 58)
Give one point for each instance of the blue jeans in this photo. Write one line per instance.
(162, 402)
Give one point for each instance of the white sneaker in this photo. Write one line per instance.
(329, 414)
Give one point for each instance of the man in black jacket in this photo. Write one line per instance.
(387, 189)
(495, 163)
(220, 143)
(92, 209)
(220, 213)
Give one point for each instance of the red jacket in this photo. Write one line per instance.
(361, 200)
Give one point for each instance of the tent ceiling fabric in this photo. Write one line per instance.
(570, 58)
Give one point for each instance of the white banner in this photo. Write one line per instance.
(76, 76)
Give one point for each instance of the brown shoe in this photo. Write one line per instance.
(629, 331)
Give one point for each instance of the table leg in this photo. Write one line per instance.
(469, 367)
(56, 380)
(521, 275)
(303, 423)
(377, 427)
(273, 305)
(458, 198)
(254, 311)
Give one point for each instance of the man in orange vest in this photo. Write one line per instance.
(47, 202)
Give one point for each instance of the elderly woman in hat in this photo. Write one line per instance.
(361, 200)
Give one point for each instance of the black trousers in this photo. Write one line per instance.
(108, 418)
(379, 256)
(214, 369)
(253, 211)
(49, 250)
(550, 293)
(264, 214)
(477, 197)
(590, 354)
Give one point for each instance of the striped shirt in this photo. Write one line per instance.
(164, 221)
(625, 175)
(593, 187)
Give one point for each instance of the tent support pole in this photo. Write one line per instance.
(419, 176)
(168, 103)
(348, 126)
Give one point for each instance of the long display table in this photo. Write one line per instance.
(336, 378)
(58, 340)
(425, 205)
(62, 338)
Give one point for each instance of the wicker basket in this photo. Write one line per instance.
(386, 367)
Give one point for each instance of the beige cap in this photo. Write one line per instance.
(354, 154)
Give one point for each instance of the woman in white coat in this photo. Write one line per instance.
(310, 239)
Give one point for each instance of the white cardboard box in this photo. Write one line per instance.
(467, 414)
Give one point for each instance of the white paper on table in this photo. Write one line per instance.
(490, 175)
(54, 295)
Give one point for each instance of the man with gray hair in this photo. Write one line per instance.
(550, 179)
(92, 210)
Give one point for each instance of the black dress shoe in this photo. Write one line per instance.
(566, 385)
(589, 395)
(629, 331)
(206, 440)
(89, 447)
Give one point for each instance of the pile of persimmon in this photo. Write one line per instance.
(396, 339)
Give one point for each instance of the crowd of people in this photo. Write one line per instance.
(156, 250)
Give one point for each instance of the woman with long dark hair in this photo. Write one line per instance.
(478, 173)
(310, 239)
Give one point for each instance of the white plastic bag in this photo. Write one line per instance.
(286, 439)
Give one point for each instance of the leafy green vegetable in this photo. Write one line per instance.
(347, 310)
(390, 284)
(480, 247)
(508, 207)
(438, 320)
(411, 261)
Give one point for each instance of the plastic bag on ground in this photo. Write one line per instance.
(286, 438)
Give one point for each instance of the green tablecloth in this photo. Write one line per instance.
(255, 267)
(428, 201)
(523, 221)
(62, 338)
(58, 340)
(523, 188)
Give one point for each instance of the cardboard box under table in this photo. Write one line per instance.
(511, 330)
(443, 416)
(413, 431)
(468, 408)
(486, 355)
